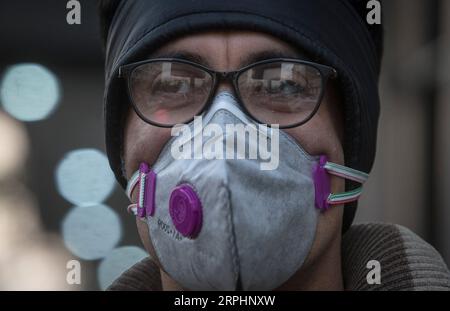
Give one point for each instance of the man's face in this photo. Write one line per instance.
(322, 135)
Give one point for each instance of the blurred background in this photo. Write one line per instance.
(59, 201)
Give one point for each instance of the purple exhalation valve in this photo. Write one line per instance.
(146, 195)
(185, 210)
(321, 184)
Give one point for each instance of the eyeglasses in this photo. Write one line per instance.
(167, 91)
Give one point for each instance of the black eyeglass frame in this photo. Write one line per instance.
(326, 72)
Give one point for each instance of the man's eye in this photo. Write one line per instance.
(285, 87)
(172, 86)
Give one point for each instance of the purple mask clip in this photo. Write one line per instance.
(147, 186)
(321, 184)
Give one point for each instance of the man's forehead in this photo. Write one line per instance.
(238, 48)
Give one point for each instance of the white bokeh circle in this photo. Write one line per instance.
(83, 177)
(91, 232)
(29, 92)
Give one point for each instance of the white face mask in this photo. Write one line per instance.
(226, 224)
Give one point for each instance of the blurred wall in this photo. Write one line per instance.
(409, 184)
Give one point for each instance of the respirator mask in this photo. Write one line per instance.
(233, 204)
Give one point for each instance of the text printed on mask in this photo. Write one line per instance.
(234, 142)
(169, 231)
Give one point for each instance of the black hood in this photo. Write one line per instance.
(331, 31)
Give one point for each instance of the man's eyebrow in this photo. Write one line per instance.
(184, 55)
(270, 54)
(246, 60)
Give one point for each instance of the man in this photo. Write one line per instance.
(212, 221)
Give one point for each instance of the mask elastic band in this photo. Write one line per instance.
(132, 183)
(324, 199)
(132, 209)
(146, 179)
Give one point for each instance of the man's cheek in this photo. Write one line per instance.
(145, 238)
(143, 143)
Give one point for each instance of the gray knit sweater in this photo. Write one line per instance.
(406, 261)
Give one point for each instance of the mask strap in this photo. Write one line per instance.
(324, 199)
(146, 179)
(132, 183)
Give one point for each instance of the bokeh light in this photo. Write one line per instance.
(91, 232)
(117, 262)
(28, 255)
(29, 92)
(13, 144)
(19, 219)
(38, 266)
(83, 177)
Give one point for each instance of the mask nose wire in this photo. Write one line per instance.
(225, 100)
(224, 84)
